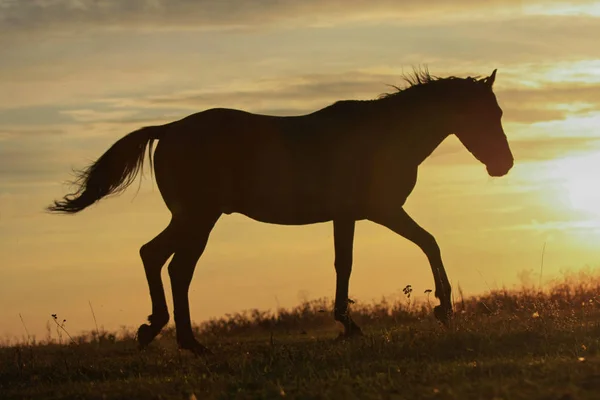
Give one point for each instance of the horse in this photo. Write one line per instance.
(350, 161)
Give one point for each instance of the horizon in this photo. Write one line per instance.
(76, 78)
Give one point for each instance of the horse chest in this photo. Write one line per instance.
(390, 189)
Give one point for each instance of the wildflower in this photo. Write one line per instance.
(281, 391)
(535, 315)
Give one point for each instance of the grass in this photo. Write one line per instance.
(504, 345)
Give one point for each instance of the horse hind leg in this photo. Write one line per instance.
(154, 255)
(191, 242)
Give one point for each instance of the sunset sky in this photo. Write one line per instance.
(77, 75)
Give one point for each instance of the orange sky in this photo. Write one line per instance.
(75, 76)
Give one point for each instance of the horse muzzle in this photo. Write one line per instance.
(500, 169)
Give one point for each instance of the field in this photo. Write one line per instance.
(521, 344)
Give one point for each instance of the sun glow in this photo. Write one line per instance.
(584, 196)
(581, 177)
(565, 8)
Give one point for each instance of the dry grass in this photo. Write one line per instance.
(507, 344)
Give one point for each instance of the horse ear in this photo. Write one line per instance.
(490, 79)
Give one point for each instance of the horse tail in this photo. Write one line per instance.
(112, 173)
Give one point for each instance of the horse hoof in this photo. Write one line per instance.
(353, 332)
(196, 348)
(443, 314)
(145, 335)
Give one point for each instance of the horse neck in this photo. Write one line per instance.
(411, 130)
(420, 129)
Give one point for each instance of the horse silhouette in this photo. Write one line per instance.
(353, 160)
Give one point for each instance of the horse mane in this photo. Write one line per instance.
(416, 84)
(420, 78)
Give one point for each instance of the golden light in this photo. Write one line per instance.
(584, 196)
(581, 180)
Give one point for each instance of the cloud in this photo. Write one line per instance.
(31, 164)
(36, 115)
(73, 15)
(555, 226)
(300, 93)
(296, 95)
(309, 92)
(85, 65)
(554, 94)
(293, 95)
(87, 115)
(21, 133)
(549, 102)
(548, 148)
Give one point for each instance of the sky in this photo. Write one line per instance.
(75, 76)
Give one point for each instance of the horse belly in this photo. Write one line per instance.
(281, 216)
(296, 202)
(280, 202)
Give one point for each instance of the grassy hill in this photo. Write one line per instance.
(520, 344)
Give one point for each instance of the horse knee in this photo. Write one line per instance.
(145, 253)
(428, 243)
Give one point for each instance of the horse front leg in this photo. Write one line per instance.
(343, 236)
(402, 224)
